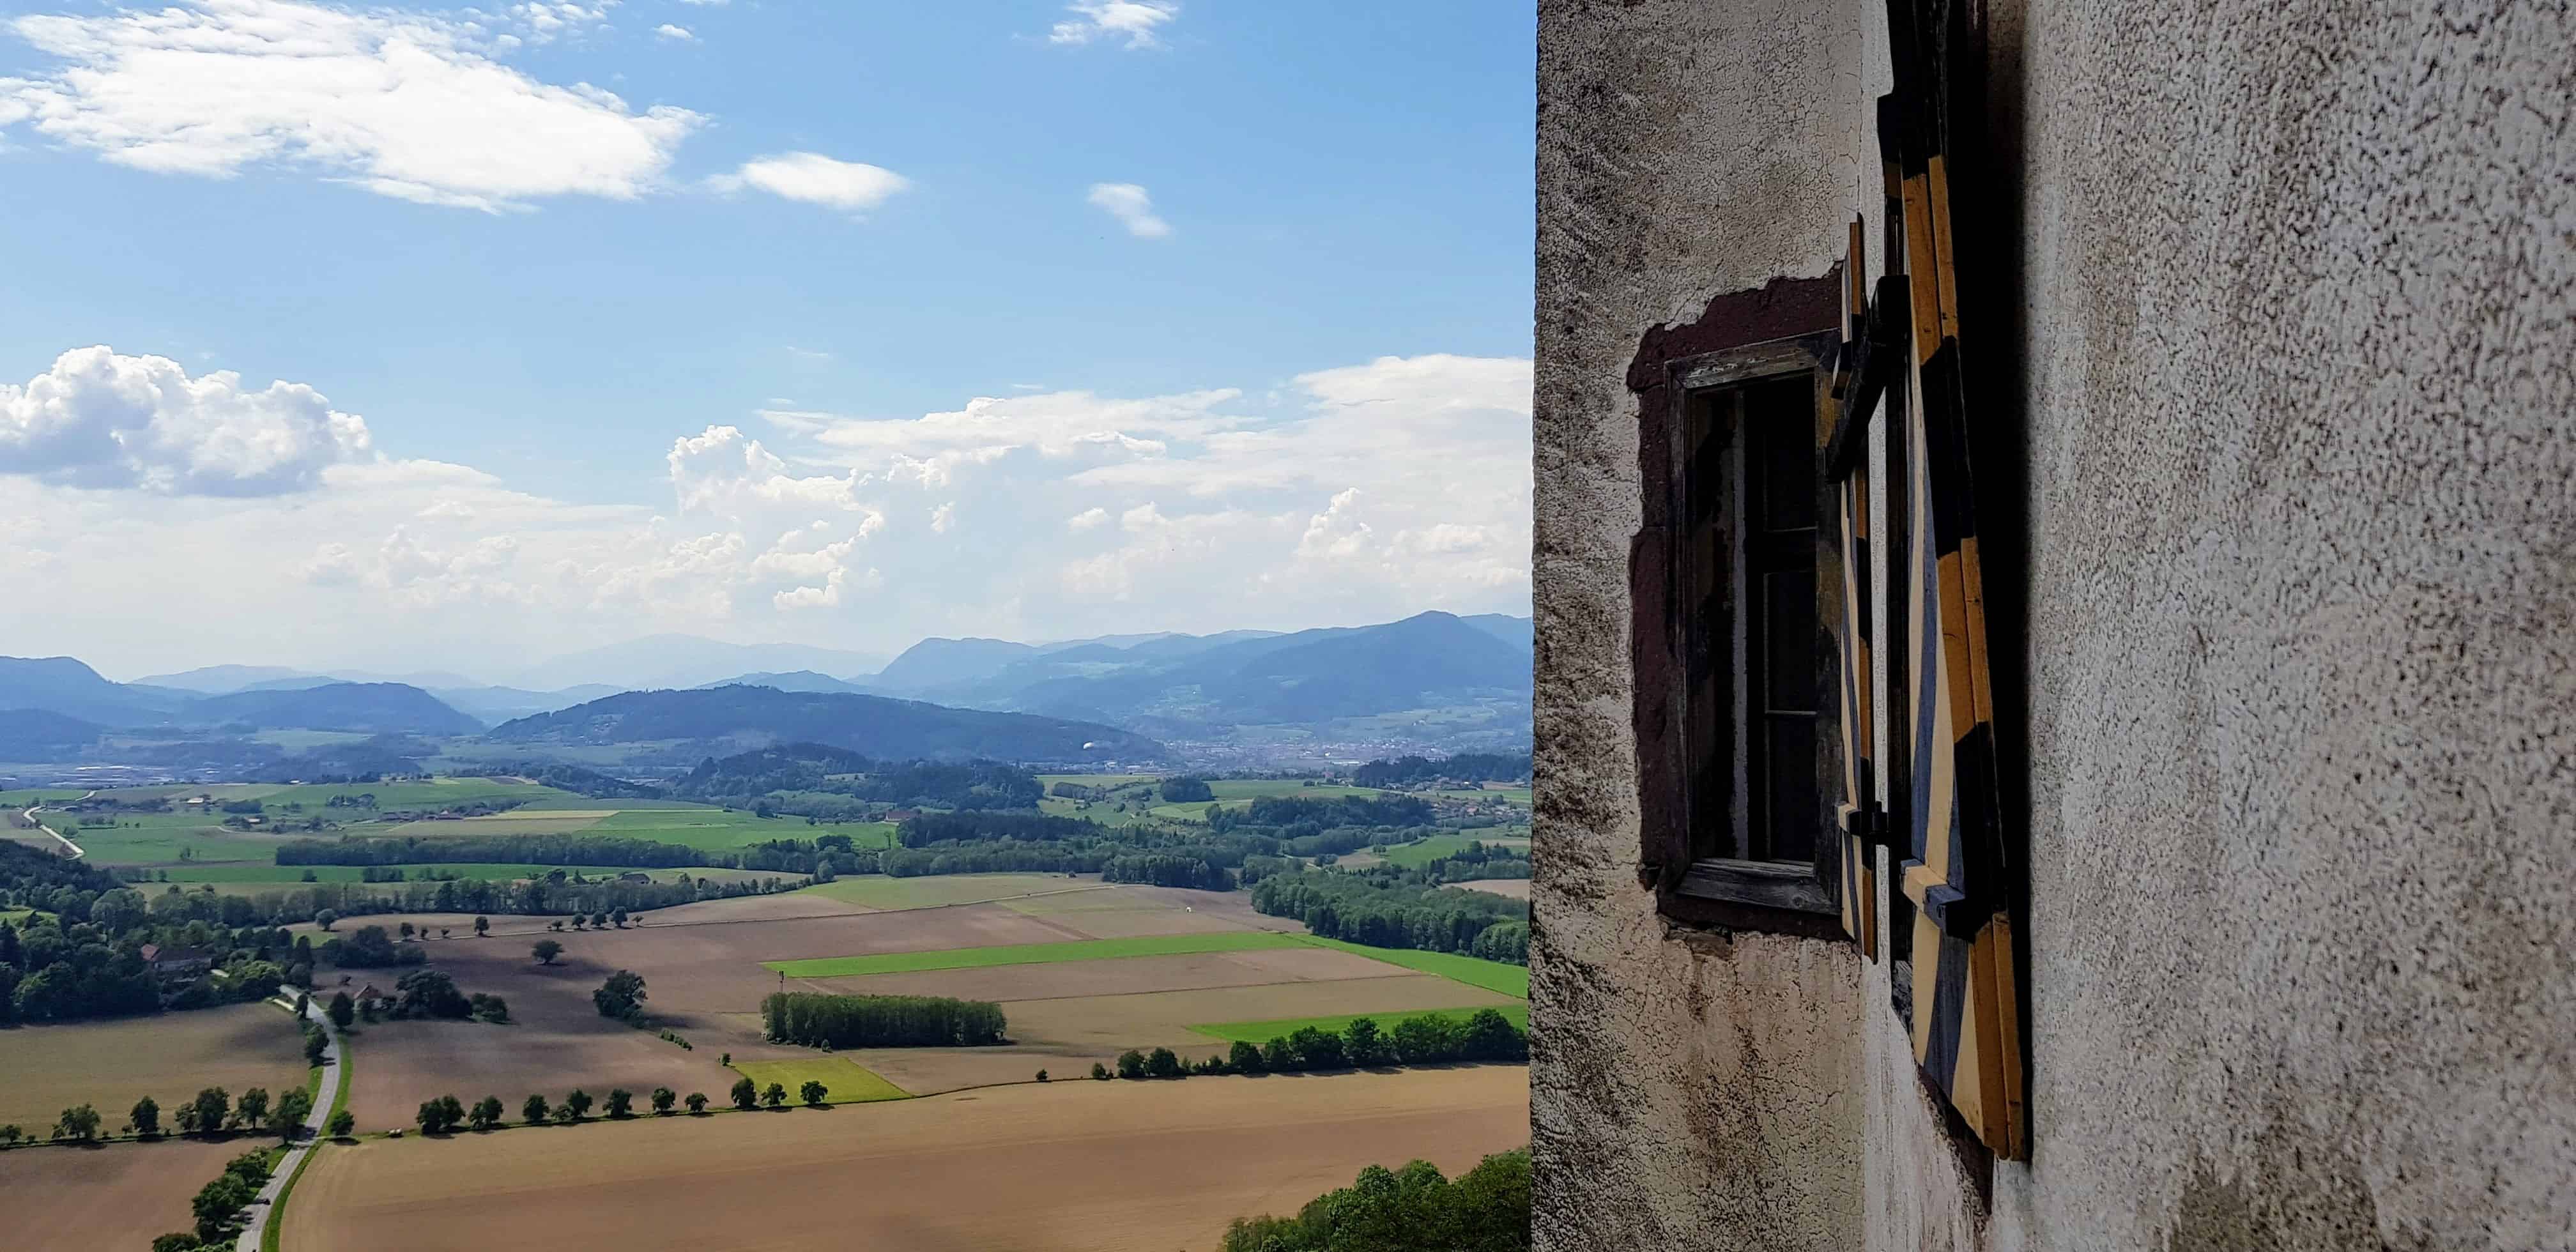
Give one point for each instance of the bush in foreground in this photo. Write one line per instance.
(1413, 1209)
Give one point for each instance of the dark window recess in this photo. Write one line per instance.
(1755, 664)
(1754, 683)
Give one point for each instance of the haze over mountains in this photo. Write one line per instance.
(1433, 680)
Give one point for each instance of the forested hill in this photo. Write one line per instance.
(375, 708)
(872, 725)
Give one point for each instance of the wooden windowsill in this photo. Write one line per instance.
(1780, 897)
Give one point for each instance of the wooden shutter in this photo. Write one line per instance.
(1859, 867)
(1967, 998)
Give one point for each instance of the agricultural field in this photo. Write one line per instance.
(878, 892)
(110, 1064)
(844, 1081)
(1425, 851)
(116, 1197)
(1083, 971)
(1082, 1165)
(192, 845)
(1514, 888)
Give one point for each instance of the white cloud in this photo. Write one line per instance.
(1360, 493)
(714, 3)
(1133, 208)
(408, 105)
(1135, 20)
(101, 419)
(815, 179)
(680, 34)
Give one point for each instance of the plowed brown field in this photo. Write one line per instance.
(169, 1057)
(115, 1197)
(1066, 1167)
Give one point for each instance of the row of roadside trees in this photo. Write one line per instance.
(1423, 1039)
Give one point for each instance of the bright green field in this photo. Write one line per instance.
(1036, 953)
(876, 891)
(1425, 851)
(1511, 980)
(1264, 1032)
(847, 1081)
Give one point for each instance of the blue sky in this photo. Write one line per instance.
(1245, 286)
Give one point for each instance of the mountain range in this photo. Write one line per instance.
(1426, 676)
(870, 725)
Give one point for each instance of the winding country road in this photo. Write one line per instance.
(263, 1208)
(29, 817)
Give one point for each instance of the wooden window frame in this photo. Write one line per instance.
(1791, 897)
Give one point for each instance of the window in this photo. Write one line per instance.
(1736, 582)
(1752, 475)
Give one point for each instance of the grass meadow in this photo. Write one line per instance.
(1425, 851)
(845, 1081)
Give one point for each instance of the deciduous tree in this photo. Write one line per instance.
(663, 1098)
(813, 1091)
(621, 1102)
(546, 951)
(342, 1123)
(775, 1095)
(147, 1117)
(534, 1111)
(697, 1102)
(79, 1124)
(577, 1104)
(746, 1094)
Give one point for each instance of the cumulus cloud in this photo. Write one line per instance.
(1132, 207)
(1133, 20)
(679, 34)
(815, 179)
(1357, 493)
(102, 419)
(409, 105)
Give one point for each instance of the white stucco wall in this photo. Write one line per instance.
(2296, 293)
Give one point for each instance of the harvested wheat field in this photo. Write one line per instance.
(703, 981)
(117, 1197)
(1516, 888)
(169, 1056)
(1119, 976)
(1065, 1167)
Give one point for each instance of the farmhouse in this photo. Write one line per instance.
(2055, 626)
(177, 962)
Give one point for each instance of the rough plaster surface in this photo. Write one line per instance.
(2299, 286)
(1692, 1093)
(2302, 636)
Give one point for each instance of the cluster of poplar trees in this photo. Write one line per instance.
(815, 1019)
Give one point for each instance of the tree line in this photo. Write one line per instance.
(1413, 1209)
(1423, 1039)
(815, 1019)
(1410, 771)
(1383, 911)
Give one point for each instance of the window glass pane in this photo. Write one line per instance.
(1783, 414)
(1789, 641)
(1791, 764)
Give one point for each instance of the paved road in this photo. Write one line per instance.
(263, 1210)
(30, 818)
